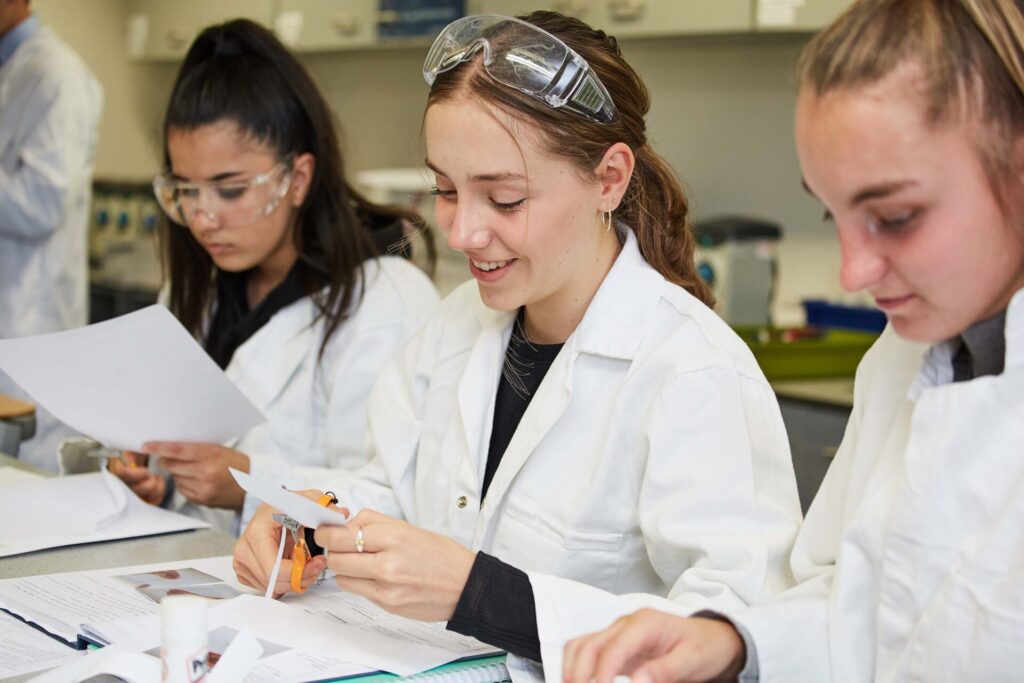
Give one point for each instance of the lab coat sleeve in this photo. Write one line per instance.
(791, 633)
(396, 305)
(387, 482)
(718, 504)
(32, 195)
(351, 378)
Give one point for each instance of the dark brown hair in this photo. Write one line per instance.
(654, 205)
(970, 53)
(240, 72)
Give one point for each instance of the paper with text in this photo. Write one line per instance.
(24, 650)
(324, 633)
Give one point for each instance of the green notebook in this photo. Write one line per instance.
(487, 669)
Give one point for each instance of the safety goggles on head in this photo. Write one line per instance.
(232, 202)
(525, 57)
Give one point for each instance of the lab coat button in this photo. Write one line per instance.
(462, 502)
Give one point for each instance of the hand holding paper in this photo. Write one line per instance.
(303, 510)
(259, 554)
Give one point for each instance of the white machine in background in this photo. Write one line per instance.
(737, 257)
(409, 187)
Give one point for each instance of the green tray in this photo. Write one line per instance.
(835, 353)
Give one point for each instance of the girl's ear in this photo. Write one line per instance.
(614, 172)
(302, 177)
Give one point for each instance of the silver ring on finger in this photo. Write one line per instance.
(360, 541)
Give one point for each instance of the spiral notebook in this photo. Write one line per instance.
(489, 669)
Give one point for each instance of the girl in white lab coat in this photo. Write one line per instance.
(910, 131)
(577, 409)
(274, 263)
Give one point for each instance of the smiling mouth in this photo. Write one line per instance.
(886, 303)
(488, 266)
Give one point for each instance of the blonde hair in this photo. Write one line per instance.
(970, 53)
(654, 206)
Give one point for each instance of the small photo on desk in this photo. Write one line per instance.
(158, 584)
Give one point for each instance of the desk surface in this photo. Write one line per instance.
(834, 392)
(186, 545)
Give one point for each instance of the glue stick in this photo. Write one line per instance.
(184, 647)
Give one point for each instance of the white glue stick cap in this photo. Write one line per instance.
(183, 639)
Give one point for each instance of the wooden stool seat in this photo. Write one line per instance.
(11, 407)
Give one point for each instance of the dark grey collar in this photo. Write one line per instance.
(986, 342)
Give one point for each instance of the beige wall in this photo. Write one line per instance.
(722, 115)
(94, 30)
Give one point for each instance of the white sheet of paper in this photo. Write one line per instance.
(24, 650)
(133, 667)
(567, 609)
(237, 660)
(303, 510)
(379, 641)
(139, 377)
(51, 512)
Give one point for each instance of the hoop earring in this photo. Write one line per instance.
(607, 219)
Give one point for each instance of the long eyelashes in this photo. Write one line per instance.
(506, 207)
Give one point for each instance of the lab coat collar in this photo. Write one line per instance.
(937, 368)
(16, 36)
(617, 319)
(1015, 331)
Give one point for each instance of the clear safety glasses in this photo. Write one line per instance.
(525, 57)
(231, 202)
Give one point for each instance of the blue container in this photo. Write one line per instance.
(821, 313)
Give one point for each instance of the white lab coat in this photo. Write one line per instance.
(316, 410)
(49, 111)
(652, 457)
(911, 561)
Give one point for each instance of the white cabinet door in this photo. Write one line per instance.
(584, 9)
(652, 18)
(640, 18)
(162, 30)
(320, 25)
(797, 15)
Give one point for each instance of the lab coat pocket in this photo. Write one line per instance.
(536, 542)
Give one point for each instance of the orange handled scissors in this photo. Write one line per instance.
(301, 554)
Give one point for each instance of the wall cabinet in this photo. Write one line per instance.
(652, 18)
(161, 30)
(320, 25)
(796, 15)
(583, 9)
(640, 18)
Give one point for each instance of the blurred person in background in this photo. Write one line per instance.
(50, 107)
